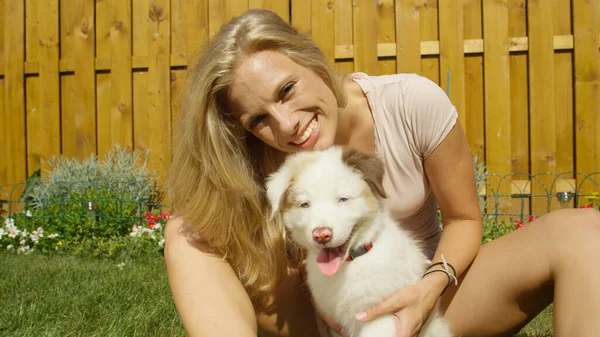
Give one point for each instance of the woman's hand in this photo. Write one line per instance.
(411, 305)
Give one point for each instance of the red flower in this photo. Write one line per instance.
(532, 218)
(151, 224)
(518, 223)
(587, 206)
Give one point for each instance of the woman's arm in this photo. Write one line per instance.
(209, 298)
(450, 172)
(211, 301)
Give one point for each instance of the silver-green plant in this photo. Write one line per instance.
(481, 176)
(122, 171)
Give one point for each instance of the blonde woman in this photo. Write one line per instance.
(261, 90)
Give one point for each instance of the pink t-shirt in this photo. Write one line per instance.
(412, 117)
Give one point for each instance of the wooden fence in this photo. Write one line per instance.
(77, 76)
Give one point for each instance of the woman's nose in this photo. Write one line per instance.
(287, 121)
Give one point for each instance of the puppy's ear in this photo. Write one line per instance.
(370, 166)
(277, 185)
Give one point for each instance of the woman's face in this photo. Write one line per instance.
(284, 104)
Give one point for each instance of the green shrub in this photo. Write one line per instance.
(91, 207)
(122, 172)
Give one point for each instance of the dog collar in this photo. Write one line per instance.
(360, 250)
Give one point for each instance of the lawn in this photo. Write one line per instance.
(67, 296)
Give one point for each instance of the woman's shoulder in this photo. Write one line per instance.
(177, 237)
(381, 82)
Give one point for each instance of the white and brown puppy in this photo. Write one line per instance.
(357, 255)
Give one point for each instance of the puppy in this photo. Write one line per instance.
(357, 255)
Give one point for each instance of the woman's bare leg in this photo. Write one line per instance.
(516, 276)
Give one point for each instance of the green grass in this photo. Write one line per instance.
(65, 296)
(68, 296)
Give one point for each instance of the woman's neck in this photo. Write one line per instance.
(355, 121)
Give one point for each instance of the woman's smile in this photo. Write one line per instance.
(309, 136)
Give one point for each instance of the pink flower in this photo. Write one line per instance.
(532, 218)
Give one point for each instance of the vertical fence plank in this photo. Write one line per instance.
(497, 96)
(177, 82)
(179, 48)
(196, 27)
(365, 36)
(408, 37)
(430, 65)
(216, 16)
(519, 103)
(68, 85)
(220, 12)
(3, 111)
(141, 13)
(68, 20)
(301, 15)
(159, 87)
(452, 61)
(282, 8)
(33, 117)
(386, 34)
(586, 23)
(2, 28)
(179, 23)
(3, 136)
(344, 35)
(32, 31)
(563, 65)
(121, 118)
(103, 78)
(322, 27)
(542, 113)
(519, 98)
(85, 73)
(47, 140)
(14, 96)
(33, 121)
(474, 107)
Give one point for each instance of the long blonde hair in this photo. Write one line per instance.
(217, 174)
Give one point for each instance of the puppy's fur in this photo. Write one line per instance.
(338, 192)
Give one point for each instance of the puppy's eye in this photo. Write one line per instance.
(305, 205)
(342, 199)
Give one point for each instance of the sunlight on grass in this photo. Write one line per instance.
(64, 296)
(67, 296)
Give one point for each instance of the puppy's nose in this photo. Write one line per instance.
(322, 234)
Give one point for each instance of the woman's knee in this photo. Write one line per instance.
(572, 222)
(571, 234)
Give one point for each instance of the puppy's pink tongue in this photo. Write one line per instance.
(329, 261)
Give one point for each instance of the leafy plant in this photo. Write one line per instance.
(122, 172)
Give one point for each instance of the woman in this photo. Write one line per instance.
(260, 90)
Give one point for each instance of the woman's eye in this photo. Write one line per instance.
(343, 199)
(285, 91)
(255, 121)
(305, 205)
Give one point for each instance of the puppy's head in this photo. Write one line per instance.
(324, 198)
